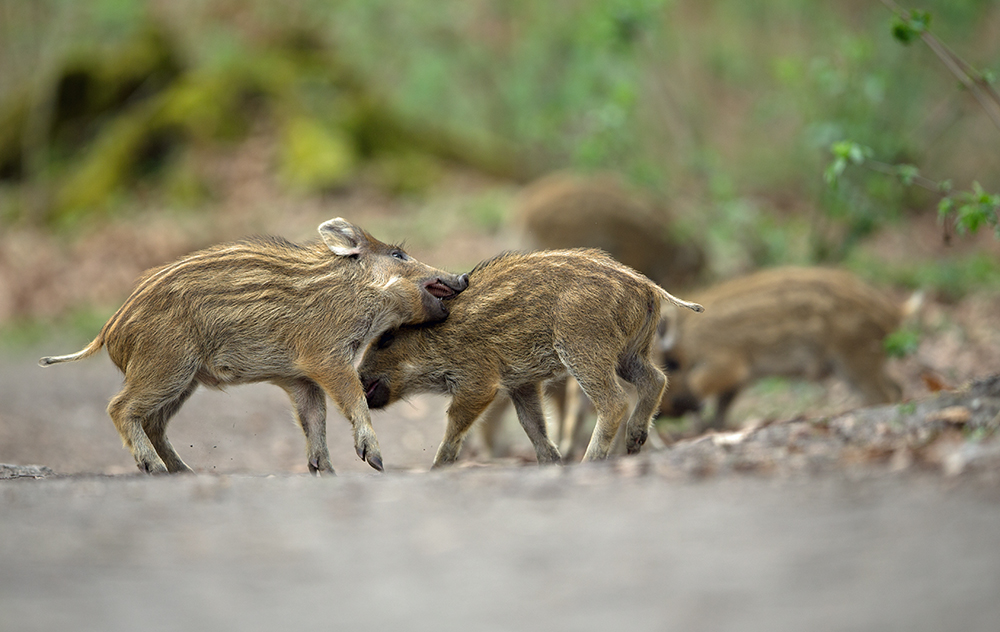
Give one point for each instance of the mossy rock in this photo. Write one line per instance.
(115, 157)
(207, 105)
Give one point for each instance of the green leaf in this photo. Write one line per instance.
(860, 153)
(969, 219)
(901, 30)
(834, 171)
(907, 173)
(920, 20)
(946, 206)
(973, 209)
(910, 25)
(841, 149)
(850, 150)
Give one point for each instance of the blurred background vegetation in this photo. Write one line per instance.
(724, 109)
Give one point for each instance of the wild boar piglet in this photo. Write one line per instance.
(264, 310)
(567, 210)
(526, 319)
(571, 210)
(794, 322)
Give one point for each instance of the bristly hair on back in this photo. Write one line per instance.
(269, 240)
(506, 254)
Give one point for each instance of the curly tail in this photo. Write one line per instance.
(94, 346)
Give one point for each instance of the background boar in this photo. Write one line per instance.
(525, 319)
(793, 322)
(263, 310)
(570, 211)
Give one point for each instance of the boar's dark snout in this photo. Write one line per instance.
(376, 392)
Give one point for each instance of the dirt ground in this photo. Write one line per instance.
(583, 548)
(871, 519)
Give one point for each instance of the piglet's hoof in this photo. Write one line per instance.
(366, 445)
(317, 467)
(372, 456)
(151, 466)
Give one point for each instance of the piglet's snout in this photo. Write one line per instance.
(447, 288)
(376, 392)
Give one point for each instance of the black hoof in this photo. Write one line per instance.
(314, 468)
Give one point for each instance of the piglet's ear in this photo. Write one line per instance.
(342, 237)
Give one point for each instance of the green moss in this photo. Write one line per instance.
(314, 156)
(202, 103)
(103, 167)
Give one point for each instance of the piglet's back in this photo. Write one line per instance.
(539, 292)
(241, 291)
(791, 303)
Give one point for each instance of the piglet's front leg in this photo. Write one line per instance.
(464, 410)
(342, 385)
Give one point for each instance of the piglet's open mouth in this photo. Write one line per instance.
(438, 289)
(376, 393)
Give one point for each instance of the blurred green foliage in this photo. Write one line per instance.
(968, 210)
(950, 278)
(902, 342)
(75, 327)
(972, 209)
(907, 28)
(727, 107)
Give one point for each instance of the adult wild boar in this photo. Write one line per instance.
(524, 320)
(793, 322)
(263, 310)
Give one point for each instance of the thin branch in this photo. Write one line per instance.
(969, 77)
(987, 98)
(893, 170)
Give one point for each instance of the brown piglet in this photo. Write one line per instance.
(524, 320)
(806, 322)
(264, 310)
(599, 210)
(566, 210)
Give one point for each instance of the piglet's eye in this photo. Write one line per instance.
(384, 340)
(399, 254)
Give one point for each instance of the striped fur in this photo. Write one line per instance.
(524, 320)
(263, 309)
(793, 322)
